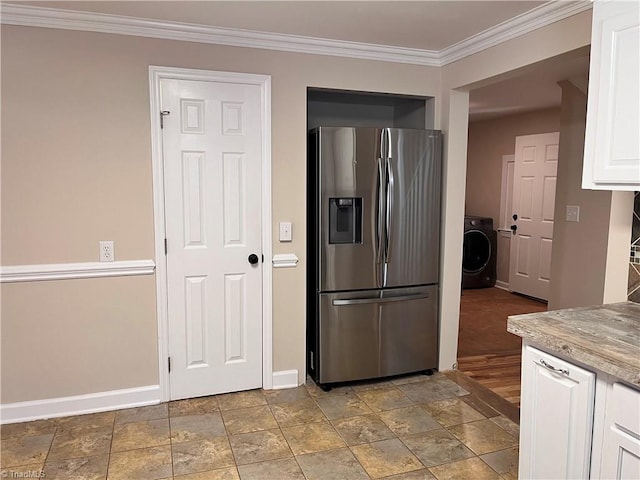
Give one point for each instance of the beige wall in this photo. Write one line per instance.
(579, 249)
(489, 140)
(515, 56)
(490, 65)
(455, 113)
(76, 169)
(73, 337)
(589, 258)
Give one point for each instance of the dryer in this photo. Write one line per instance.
(479, 253)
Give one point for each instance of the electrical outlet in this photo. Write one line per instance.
(106, 251)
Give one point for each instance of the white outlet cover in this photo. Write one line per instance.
(106, 251)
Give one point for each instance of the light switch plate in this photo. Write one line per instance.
(285, 231)
(573, 213)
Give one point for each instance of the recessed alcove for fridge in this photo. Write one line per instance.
(348, 108)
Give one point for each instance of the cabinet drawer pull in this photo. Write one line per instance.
(554, 369)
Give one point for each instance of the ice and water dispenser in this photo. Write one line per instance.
(345, 220)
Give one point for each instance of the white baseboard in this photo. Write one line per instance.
(502, 285)
(285, 379)
(79, 404)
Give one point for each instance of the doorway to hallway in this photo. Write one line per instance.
(487, 353)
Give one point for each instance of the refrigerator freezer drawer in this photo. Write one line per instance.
(409, 335)
(370, 334)
(348, 339)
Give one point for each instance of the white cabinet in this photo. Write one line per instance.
(621, 446)
(612, 139)
(575, 423)
(556, 419)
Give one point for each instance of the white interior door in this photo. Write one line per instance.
(534, 193)
(212, 182)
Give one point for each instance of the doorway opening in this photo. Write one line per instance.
(525, 104)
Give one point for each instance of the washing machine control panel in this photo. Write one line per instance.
(478, 222)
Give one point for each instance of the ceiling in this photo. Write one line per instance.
(534, 88)
(424, 25)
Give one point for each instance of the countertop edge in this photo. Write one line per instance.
(520, 325)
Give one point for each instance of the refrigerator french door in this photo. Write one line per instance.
(373, 238)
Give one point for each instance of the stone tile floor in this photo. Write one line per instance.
(414, 427)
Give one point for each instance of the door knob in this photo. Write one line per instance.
(253, 259)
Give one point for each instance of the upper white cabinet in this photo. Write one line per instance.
(612, 140)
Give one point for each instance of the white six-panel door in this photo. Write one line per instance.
(211, 141)
(534, 193)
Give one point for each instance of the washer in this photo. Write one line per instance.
(479, 253)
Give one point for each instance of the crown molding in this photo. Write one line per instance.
(31, 16)
(67, 271)
(539, 17)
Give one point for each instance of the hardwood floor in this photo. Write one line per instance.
(487, 353)
(499, 372)
(485, 397)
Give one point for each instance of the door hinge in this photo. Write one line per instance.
(263, 258)
(166, 248)
(162, 114)
(169, 363)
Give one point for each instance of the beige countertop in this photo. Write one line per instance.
(605, 337)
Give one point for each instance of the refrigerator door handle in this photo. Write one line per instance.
(380, 212)
(389, 215)
(361, 301)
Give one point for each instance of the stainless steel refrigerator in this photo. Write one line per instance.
(373, 251)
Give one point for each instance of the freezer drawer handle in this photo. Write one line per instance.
(360, 301)
(554, 369)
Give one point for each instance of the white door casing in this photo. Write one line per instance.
(534, 190)
(212, 203)
(504, 232)
(506, 194)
